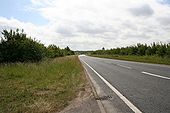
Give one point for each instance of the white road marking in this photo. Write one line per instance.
(96, 91)
(124, 66)
(131, 106)
(155, 75)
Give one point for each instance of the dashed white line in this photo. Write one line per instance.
(155, 75)
(125, 100)
(124, 66)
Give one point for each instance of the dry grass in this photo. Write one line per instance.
(42, 87)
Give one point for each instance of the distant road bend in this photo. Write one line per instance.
(134, 87)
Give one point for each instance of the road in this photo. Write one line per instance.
(127, 87)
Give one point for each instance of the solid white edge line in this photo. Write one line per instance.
(155, 75)
(128, 103)
(102, 109)
(124, 66)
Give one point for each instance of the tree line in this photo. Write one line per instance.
(158, 49)
(15, 46)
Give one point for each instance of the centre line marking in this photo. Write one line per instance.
(125, 100)
(124, 66)
(155, 75)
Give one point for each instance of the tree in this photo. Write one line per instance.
(148, 51)
(16, 47)
(139, 49)
(68, 51)
(54, 51)
(161, 50)
(168, 50)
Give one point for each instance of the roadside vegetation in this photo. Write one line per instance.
(146, 59)
(155, 53)
(15, 46)
(42, 87)
(35, 78)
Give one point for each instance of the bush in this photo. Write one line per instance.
(158, 49)
(54, 51)
(16, 47)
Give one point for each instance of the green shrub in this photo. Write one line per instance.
(15, 46)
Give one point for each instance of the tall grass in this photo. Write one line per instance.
(47, 86)
(146, 59)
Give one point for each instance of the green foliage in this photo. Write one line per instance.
(146, 58)
(67, 51)
(168, 51)
(16, 47)
(54, 51)
(158, 49)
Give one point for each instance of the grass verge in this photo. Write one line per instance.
(42, 87)
(146, 59)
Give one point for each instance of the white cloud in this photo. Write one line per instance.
(39, 32)
(85, 24)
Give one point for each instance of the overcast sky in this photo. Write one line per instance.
(89, 24)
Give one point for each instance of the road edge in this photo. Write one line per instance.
(102, 109)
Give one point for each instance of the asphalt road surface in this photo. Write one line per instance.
(127, 87)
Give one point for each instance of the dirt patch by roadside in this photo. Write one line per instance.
(85, 101)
